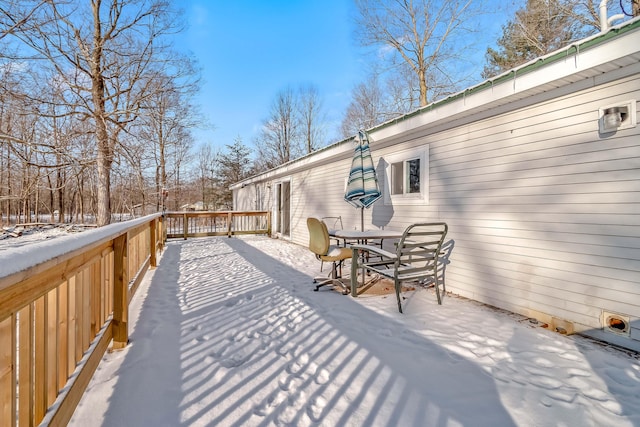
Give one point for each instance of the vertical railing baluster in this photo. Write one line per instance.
(120, 293)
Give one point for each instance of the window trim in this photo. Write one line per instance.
(421, 153)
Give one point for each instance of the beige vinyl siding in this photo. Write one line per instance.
(244, 199)
(319, 192)
(544, 212)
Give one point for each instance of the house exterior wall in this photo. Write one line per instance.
(253, 197)
(543, 210)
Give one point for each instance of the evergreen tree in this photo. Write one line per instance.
(234, 166)
(542, 26)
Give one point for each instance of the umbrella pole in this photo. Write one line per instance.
(362, 218)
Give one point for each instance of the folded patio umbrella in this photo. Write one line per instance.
(362, 187)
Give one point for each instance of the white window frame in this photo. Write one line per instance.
(421, 153)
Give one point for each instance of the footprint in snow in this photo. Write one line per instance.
(289, 417)
(297, 366)
(270, 403)
(234, 335)
(613, 406)
(287, 383)
(292, 326)
(203, 338)
(322, 377)
(232, 302)
(595, 394)
(316, 408)
(283, 350)
(573, 372)
(235, 360)
(561, 396)
(544, 363)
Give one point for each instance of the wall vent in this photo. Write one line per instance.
(624, 112)
(616, 323)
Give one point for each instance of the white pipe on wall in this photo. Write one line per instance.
(603, 16)
(605, 22)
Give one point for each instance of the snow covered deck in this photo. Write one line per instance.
(228, 332)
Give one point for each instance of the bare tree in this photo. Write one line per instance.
(587, 12)
(425, 34)
(102, 52)
(165, 116)
(206, 160)
(311, 118)
(366, 109)
(178, 159)
(402, 91)
(278, 142)
(15, 24)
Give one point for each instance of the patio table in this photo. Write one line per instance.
(363, 237)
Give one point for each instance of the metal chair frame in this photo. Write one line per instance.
(416, 258)
(320, 245)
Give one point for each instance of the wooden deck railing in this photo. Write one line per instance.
(221, 223)
(58, 317)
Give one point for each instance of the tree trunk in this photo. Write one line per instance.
(61, 205)
(423, 88)
(99, 115)
(104, 191)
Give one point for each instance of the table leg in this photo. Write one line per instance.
(354, 272)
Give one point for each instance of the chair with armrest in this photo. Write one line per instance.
(334, 223)
(320, 245)
(416, 258)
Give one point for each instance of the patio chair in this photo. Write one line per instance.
(334, 223)
(320, 245)
(416, 258)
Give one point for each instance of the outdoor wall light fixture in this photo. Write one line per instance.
(615, 117)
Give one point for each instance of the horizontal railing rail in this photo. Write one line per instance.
(58, 316)
(219, 223)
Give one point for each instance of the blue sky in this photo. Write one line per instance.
(249, 50)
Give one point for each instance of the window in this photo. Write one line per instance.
(406, 176)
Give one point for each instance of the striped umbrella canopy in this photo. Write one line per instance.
(362, 187)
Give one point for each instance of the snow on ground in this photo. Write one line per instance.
(29, 236)
(227, 332)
